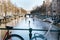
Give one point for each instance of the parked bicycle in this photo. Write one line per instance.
(30, 34)
(12, 35)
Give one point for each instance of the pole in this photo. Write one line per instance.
(46, 12)
(58, 35)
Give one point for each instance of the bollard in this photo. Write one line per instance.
(30, 33)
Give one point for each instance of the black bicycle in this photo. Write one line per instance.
(14, 35)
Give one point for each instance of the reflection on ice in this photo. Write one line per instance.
(37, 24)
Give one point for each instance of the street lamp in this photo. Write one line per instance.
(46, 11)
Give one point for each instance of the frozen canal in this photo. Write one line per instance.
(36, 24)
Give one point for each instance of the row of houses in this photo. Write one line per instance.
(7, 8)
(49, 7)
(54, 7)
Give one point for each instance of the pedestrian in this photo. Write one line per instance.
(29, 23)
(33, 19)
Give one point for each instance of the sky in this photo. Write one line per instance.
(27, 4)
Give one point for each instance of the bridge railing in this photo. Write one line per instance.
(30, 30)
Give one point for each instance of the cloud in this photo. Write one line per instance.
(27, 4)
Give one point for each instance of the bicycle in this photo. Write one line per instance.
(39, 36)
(12, 35)
(30, 34)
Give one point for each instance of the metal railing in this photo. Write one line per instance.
(30, 30)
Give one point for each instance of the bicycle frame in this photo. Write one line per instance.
(6, 35)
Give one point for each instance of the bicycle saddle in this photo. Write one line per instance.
(9, 27)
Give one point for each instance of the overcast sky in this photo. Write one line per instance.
(27, 4)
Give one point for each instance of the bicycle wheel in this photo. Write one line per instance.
(14, 35)
(40, 36)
